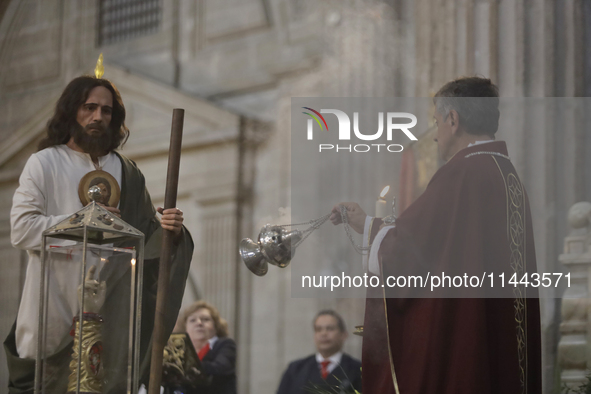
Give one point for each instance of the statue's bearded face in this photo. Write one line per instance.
(92, 133)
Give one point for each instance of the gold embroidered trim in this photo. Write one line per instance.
(394, 380)
(369, 232)
(392, 370)
(516, 236)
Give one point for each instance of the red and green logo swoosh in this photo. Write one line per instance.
(316, 117)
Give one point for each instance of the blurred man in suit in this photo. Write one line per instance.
(328, 369)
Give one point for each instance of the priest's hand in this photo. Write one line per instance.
(172, 219)
(356, 216)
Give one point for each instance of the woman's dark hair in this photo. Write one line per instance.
(63, 122)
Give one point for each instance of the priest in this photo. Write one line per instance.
(473, 217)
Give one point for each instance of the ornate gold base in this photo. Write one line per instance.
(358, 331)
(181, 366)
(90, 362)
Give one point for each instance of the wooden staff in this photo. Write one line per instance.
(172, 179)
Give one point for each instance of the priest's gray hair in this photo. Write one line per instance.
(475, 99)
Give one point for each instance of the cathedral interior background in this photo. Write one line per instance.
(234, 66)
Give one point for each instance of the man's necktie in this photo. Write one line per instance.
(203, 351)
(324, 368)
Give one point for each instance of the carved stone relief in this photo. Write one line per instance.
(229, 18)
(31, 51)
(575, 329)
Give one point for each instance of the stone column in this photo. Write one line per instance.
(574, 348)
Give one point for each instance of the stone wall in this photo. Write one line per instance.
(250, 57)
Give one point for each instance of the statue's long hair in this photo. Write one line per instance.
(61, 126)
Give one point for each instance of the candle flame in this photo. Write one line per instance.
(132, 261)
(99, 70)
(385, 191)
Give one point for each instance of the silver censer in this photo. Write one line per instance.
(275, 245)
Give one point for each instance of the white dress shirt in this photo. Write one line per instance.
(335, 360)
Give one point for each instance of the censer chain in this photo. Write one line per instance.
(316, 223)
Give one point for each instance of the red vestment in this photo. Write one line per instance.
(474, 217)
